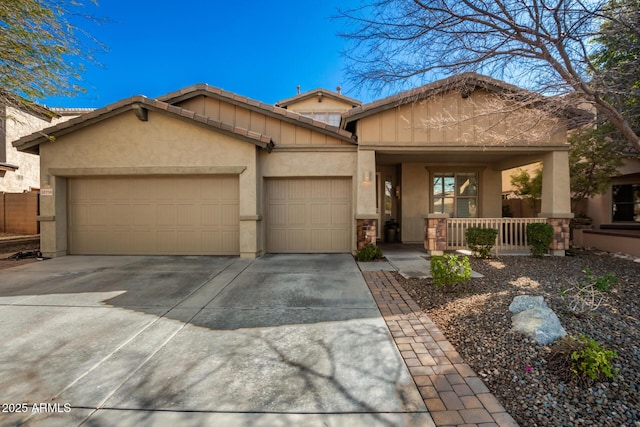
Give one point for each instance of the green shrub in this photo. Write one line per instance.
(601, 283)
(481, 240)
(592, 360)
(450, 269)
(539, 236)
(369, 253)
(581, 359)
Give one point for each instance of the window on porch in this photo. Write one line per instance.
(455, 194)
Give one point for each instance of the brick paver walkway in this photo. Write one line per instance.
(453, 393)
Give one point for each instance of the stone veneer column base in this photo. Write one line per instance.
(366, 232)
(561, 234)
(435, 238)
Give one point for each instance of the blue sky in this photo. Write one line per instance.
(259, 49)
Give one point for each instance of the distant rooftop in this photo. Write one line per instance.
(71, 111)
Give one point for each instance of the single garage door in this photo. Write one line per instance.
(159, 215)
(311, 215)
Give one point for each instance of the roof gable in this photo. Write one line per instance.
(140, 105)
(318, 93)
(257, 106)
(465, 83)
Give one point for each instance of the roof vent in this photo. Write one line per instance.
(339, 90)
(298, 88)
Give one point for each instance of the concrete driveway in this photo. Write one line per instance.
(281, 340)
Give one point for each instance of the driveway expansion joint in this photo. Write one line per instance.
(451, 390)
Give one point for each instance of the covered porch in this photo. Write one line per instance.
(431, 196)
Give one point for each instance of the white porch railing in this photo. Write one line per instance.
(512, 232)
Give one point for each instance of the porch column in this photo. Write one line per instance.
(556, 198)
(365, 184)
(435, 236)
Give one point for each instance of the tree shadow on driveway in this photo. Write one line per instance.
(167, 337)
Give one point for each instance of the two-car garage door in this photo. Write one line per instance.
(190, 215)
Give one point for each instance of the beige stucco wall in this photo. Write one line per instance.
(282, 132)
(27, 176)
(314, 104)
(414, 198)
(450, 119)
(124, 145)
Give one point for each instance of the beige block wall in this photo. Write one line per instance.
(18, 212)
(124, 145)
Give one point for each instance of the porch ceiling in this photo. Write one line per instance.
(501, 158)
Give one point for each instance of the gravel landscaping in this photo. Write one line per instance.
(476, 319)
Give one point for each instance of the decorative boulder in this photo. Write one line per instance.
(541, 323)
(526, 302)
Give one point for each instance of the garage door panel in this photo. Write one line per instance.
(296, 214)
(230, 214)
(120, 214)
(308, 215)
(340, 215)
(154, 215)
(320, 214)
(143, 215)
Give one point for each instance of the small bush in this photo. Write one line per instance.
(592, 360)
(481, 240)
(450, 269)
(601, 283)
(539, 236)
(582, 359)
(369, 253)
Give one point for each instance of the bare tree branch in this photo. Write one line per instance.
(543, 45)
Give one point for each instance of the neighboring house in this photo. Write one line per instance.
(205, 171)
(616, 214)
(20, 171)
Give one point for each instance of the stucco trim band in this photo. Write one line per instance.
(44, 218)
(315, 148)
(152, 170)
(251, 218)
(366, 216)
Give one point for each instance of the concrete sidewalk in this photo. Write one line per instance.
(410, 261)
(281, 340)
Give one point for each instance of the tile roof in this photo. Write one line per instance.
(318, 92)
(260, 107)
(31, 142)
(71, 111)
(27, 106)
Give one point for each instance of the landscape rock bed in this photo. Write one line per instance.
(475, 318)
